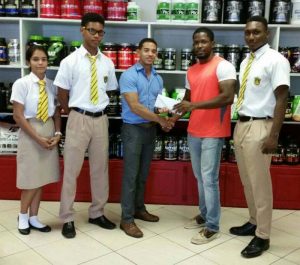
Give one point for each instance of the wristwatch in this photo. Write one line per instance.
(57, 133)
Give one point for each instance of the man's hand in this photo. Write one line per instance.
(184, 106)
(165, 123)
(270, 145)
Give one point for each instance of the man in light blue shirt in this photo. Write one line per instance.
(139, 86)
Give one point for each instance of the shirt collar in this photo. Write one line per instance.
(83, 51)
(35, 79)
(140, 67)
(261, 50)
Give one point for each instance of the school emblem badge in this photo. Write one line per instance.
(257, 81)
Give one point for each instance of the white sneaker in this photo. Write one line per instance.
(196, 222)
(204, 236)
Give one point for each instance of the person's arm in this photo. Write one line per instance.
(137, 108)
(18, 114)
(281, 94)
(63, 99)
(224, 98)
(57, 125)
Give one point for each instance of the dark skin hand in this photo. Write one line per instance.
(224, 98)
(270, 144)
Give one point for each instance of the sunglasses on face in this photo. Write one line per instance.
(94, 32)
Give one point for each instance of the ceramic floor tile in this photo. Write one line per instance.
(9, 204)
(110, 259)
(197, 260)
(294, 257)
(167, 221)
(229, 219)
(283, 262)
(183, 210)
(288, 224)
(108, 237)
(229, 253)
(2, 228)
(156, 250)
(282, 243)
(28, 257)
(9, 244)
(80, 249)
(182, 237)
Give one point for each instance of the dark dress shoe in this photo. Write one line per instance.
(146, 216)
(256, 247)
(68, 230)
(44, 229)
(246, 229)
(25, 231)
(103, 222)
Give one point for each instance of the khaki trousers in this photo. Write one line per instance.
(85, 133)
(254, 170)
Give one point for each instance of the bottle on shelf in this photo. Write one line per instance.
(178, 10)
(11, 8)
(192, 11)
(2, 10)
(234, 12)
(71, 9)
(116, 10)
(280, 12)
(133, 12)
(93, 6)
(255, 8)
(28, 8)
(211, 11)
(163, 10)
(50, 8)
(57, 50)
(295, 17)
(13, 51)
(3, 52)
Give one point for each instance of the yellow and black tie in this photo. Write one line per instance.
(94, 80)
(42, 110)
(244, 81)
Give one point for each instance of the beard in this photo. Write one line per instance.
(202, 56)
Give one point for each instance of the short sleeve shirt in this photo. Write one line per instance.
(74, 74)
(26, 92)
(269, 70)
(135, 80)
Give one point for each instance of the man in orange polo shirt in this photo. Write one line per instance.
(210, 85)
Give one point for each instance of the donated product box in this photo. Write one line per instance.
(8, 140)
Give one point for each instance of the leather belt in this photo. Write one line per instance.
(146, 125)
(248, 118)
(91, 114)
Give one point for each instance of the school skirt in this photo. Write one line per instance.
(36, 166)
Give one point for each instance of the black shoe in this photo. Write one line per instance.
(25, 231)
(44, 229)
(246, 229)
(68, 230)
(256, 247)
(103, 222)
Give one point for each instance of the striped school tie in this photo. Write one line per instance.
(94, 80)
(244, 81)
(42, 110)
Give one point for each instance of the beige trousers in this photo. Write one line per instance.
(254, 170)
(85, 133)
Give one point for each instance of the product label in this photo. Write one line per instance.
(211, 10)
(233, 11)
(163, 11)
(132, 14)
(178, 11)
(192, 11)
(281, 12)
(255, 8)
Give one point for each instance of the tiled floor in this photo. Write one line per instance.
(165, 242)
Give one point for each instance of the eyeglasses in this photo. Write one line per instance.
(94, 32)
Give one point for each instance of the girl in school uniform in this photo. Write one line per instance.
(36, 113)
